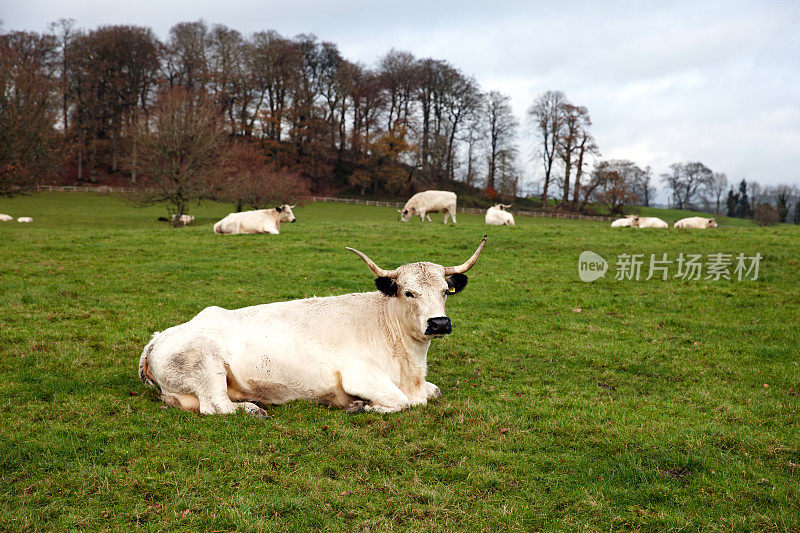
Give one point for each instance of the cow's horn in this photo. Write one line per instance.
(460, 269)
(378, 271)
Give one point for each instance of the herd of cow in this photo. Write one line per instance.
(422, 205)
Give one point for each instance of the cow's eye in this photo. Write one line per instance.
(409, 294)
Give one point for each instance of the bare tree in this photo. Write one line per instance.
(547, 122)
(64, 29)
(501, 126)
(187, 55)
(27, 110)
(398, 72)
(247, 180)
(612, 184)
(716, 187)
(574, 132)
(179, 149)
(685, 180)
(586, 147)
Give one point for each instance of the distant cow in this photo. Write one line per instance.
(426, 202)
(184, 220)
(260, 221)
(5, 218)
(360, 351)
(649, 222)
(498, 216)
(626, 222)
(696, 223)
(25, 219)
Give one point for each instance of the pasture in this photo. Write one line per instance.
(617, 404)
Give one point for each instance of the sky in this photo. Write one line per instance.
(664, 82)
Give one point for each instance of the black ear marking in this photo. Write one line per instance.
(456, 283)
(279, 209)
(387, 286)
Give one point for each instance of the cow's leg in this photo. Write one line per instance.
(422, 216)
(377, 390)
(213, 394)
(446, 214)
(432, 390)
(195, 379)
(453, 215)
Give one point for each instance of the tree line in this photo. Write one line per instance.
(403, 124)
(283, 116)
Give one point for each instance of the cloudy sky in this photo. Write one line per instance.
(710, 81)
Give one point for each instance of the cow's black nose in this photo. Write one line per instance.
(439, 326)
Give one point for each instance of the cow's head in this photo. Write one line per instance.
(407, 213)
(285, 213)
(418, 292)
(634, 220)
(711, 223)
(503, 207)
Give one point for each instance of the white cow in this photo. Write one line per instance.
(649, 222)
(260, 221)
(426, 202)
(25, 219)
(360, 351)
(695, 223)
(498, 216)
(626, 222)
(184, 220)
(5, 218)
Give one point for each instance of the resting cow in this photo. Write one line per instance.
(184, 220)
(361, 351)
(5, 218)
(627, 222)
(498, 216)
(695, 223)
(649, 222)
(260, 221)
(25, 219)
(426, 202)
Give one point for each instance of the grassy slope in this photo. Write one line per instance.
(661, 404)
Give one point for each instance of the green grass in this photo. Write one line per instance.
(659, 405)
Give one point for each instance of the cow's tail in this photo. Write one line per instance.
(144, 366)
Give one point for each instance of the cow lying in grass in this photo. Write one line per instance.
(498, 216)
(361, 351)
(695, 223)
(260, 221)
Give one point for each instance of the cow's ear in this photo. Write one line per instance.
(279, 209)
(387, 286)
(456, 283)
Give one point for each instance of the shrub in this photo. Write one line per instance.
(766, 215)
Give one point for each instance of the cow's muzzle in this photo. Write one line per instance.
(439, 326)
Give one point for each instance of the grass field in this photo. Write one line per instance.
(617, 404)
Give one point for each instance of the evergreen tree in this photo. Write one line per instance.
(732, 203)
(743, 209)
